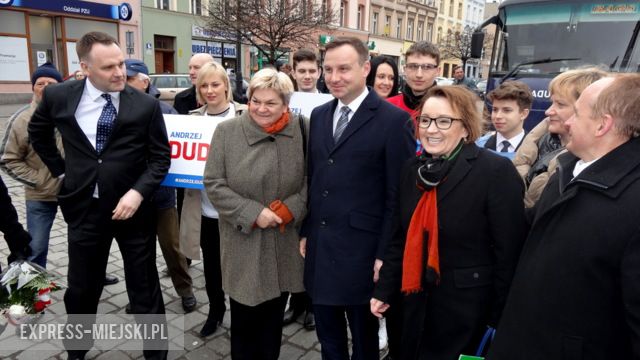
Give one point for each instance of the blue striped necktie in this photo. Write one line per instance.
(342, 123)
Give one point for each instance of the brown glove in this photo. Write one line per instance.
(283, 213)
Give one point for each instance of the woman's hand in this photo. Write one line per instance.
(303, 246)
(378, 307)
(267, 219)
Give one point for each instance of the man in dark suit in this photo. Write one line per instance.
(576, 288)
(116, 155)
(185, 100)
(357, 145)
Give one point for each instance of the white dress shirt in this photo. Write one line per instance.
(90, 108)
(513, 142)
(89, 111)
(581, 165)
(353, 106)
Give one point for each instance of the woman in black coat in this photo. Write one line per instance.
(459, 228)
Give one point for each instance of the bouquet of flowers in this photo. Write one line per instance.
(25, 290)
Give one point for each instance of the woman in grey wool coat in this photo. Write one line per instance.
(255, 177)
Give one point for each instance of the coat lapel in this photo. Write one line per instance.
(327, 126)
(460, 169)
(73, 100)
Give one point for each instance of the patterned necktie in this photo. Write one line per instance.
(342, 123)
(105, 123)
(505, 146)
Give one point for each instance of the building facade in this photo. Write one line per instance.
(176, 29)
(39, 31)
(450, 19)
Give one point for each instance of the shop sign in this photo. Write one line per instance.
(199, 31)
(208, 47)
(75, 7)
(229, 51)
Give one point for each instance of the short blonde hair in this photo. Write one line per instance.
(571, 83)
(212, 68)
(272, 79)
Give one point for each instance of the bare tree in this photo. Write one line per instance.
(270, 25)
(457, 45)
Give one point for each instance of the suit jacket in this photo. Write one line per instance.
(352, 191)
(136, 155)
(481, 231)
(576, 289)
(491, 143)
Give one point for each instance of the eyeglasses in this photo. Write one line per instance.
(414, 67)
(442, 123)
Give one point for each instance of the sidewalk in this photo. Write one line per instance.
(297, 343)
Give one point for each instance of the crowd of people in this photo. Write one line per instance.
(389, 211)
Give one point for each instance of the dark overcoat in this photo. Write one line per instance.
(352, 192)
(576, 291)
(481, 230)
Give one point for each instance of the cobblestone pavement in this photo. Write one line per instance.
(297, 343)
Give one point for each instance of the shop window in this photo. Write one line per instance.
(75, 28)
(12, 22)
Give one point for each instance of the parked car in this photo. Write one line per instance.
(170, 84)
(443, 81)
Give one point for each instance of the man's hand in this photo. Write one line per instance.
(378, 307)
(267, 219)
(303, 246)
(376, 270)
(127, 206)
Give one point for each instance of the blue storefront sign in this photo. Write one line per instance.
(75, 7)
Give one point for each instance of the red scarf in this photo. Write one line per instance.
(278, 125)
(424, 219)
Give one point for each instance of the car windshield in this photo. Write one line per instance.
(539, 39)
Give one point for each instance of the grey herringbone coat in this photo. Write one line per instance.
(246, 170)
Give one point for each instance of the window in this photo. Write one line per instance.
(387, 25)
(325, 6)
(410, 29)
(399, 28)
(360, 17)
(439, 35)
(374, 24)
(429, 32)
(196, 7)
(441, 7)
(163, 4)
(420, 27)
(460, 11)
(343, 14)
(451, 5)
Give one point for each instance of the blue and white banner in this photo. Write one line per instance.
(189, 139)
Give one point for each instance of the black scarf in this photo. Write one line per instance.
(432, 170)
(412, 101)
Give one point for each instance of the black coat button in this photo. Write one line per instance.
(323, 223)
(330, 161)
(239, 227)
(325, 193)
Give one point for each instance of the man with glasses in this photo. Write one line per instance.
(420, 70)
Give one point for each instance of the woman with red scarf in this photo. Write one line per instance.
(255, 178)
(459, 230)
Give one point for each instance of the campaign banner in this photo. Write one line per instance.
(304, 103)
(189, 139)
